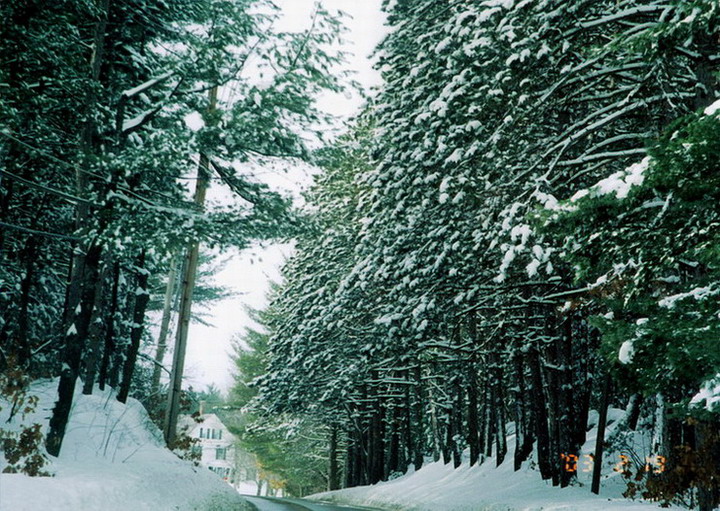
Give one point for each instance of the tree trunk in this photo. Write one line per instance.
(491, 410)
(540, 412)
(350, 461)
(632, 412)
(333, 474)
(142, 296)
(164, 326)
(109, 347)
(457, 423)
(708, 446)
(418, 430)
(500, 431)
(472, 396)
(95, 333)
(554, 412)
(524, 438)
(74, 344)
(85, 267)
(567, 403)
(377, 450)
(392, 461)
(600, 441)
(23, 349)
(435, 427)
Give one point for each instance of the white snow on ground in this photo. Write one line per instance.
(112, 459)
(439, 487)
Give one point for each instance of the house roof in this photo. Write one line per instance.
(206, 420)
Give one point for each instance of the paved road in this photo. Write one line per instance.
(273, 504)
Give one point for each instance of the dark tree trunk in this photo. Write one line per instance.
(85, 268)
(500, 432)
(24, 350)
(708, 445)
(540, 414)
(633, 411)
(482, 415)
(353, 462)
(446, 446)
(6, 196)
(349, 473)
(436, 433)
(378, 442)
(417, 411)
(393, 434)
(473, 437)
(121, 339)
(600, 441)
(95, 333)
(568, 400)
(109, 347)
(74, 344)
(333, 473)
(524, 438)
(472, 396)
(457, 426)
(141, 300)
(554, 412)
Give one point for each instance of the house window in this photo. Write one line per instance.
(220, 453)
(216, 434)
(196, 450)
(201, 432)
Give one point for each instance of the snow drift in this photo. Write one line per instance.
(113, 459)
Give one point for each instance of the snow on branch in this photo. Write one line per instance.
(129, 93)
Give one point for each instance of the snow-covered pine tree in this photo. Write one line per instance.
(490, 108)
(646, 244)
(96, 96)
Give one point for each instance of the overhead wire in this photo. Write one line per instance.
(70, 198)
(94, 174)
(39, 233)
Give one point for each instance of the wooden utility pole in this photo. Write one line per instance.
(188, 284)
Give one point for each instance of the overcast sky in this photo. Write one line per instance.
(249, 273)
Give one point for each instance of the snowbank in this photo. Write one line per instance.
(112, 459)
(439, 487)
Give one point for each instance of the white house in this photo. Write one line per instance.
(216, 445)
(219, 452)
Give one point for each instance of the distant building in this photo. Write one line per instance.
(216, 445)
(220, 453)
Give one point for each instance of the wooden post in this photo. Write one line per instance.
(188, 284)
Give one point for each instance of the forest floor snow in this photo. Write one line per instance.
(440, 487)
(112, 459)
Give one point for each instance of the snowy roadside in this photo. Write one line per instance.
(112, 459)
(439, 487)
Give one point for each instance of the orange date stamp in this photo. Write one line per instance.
(654, 464)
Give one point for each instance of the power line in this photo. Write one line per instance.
(90, 173)
(39, 233)
(71, 198)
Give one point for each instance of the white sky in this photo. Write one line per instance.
(249, 273)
